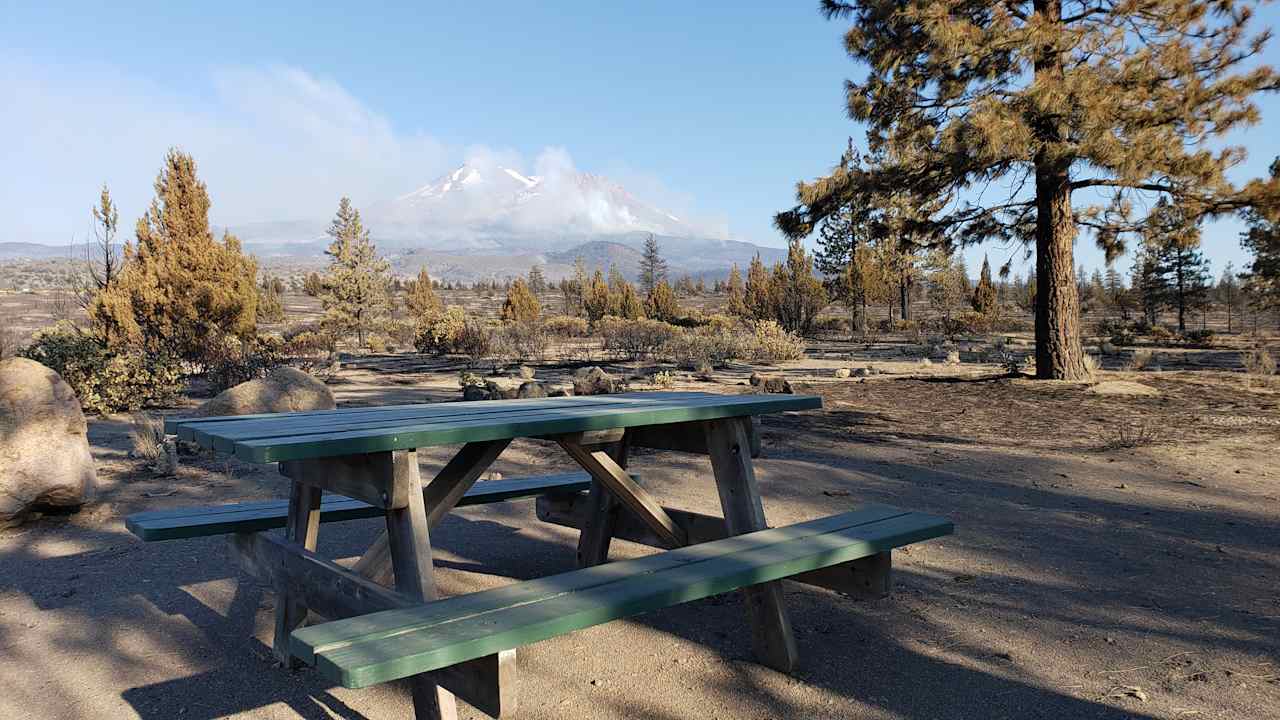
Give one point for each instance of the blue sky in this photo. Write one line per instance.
(710, 109)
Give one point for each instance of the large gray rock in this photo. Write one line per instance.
(594, 381)
(44, 447)
(284, 389)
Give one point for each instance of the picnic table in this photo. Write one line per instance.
(384, 619)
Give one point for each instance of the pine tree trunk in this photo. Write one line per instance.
(1059, 355)
(904, 299)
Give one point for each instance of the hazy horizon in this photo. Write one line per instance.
(287, 109)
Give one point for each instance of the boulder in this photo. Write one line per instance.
(844, 372)
(771, 383)
(474, 392)
(531, 389)
(284, 389)
(594, 381)
(502, 388)
(525, 372)
(44, 447)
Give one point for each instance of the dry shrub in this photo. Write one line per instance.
(440, 331)
(106, 379)
(634, 338)
(1258, 361)
(523, 341)
(566, 326)
(774, 344)
(232, 361)
(664, 379)
(475, 340)
(696, 349)
(1130, 435)
(1139, 360)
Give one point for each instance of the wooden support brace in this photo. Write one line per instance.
(303, 528)
(728, 443)
(490, 684)
(440, 496)
(614, 478)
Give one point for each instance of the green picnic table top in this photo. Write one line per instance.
(350, 431)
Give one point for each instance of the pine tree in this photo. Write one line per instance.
(1150, 283)
(796, 295)
(537, 281)
(595, 299)
(755, 294)
(271, 300)
(181, 292)
(624, 301)
(1117, 295)
(355, 297)
(653, 269)
(421, 300)
(984, 295)
(1075, 95)
(1228, 292)
(735, 294)
(1262, 239)
(662, 303)
(313, 285)
(1173, 236)
(521, 305)
(101, 257)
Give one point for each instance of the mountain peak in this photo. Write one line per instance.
(472, 203)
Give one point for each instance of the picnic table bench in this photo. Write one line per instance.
(383, 621)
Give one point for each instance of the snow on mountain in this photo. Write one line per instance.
(485, 207)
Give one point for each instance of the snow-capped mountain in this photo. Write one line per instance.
(487, 220)
(496, 206)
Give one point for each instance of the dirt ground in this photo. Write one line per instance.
(1116, 556)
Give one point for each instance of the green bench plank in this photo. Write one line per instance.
(385, 646)
(192, 522)
(524, 423)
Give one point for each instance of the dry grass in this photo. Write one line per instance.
(1258, 361)
(146, 436)
(1130, 435)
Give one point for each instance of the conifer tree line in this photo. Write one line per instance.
(1088, 110)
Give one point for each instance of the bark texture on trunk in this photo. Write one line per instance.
(1059, 354)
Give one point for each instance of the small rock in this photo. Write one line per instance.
(531, 389)
(502, 388)
(843, 372)
(771, 383)
(526, 372)
(862, 372)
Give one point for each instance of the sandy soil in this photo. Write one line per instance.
(1117, 556)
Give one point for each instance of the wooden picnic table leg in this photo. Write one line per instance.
(303, 528)
(602, 513)
(442, 494)
(410, 543)
(728, 443)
